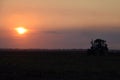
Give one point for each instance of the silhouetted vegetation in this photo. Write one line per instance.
(99, 47)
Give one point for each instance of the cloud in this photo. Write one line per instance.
(51, 32)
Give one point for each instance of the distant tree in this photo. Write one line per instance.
(99, 47)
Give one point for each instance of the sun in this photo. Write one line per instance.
(21, 30)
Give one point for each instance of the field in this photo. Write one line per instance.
(58, 65)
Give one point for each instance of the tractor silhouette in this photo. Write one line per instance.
(99, 47)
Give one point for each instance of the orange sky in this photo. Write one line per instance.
(59, 23)
(60, 13)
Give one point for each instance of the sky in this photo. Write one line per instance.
(59, 24)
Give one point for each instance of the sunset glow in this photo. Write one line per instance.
(58, 24)
(21, 30)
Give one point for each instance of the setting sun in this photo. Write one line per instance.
(21, 30)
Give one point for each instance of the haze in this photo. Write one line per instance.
(59, 23)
